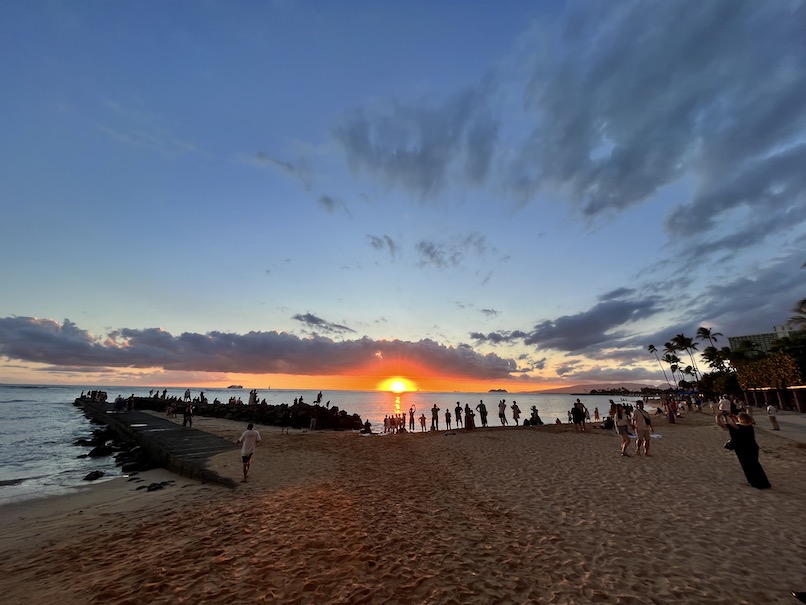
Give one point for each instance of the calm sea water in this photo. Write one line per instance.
(39, 424)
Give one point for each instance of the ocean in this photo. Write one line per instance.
(39, 425)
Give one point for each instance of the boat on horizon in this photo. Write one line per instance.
(235, 386)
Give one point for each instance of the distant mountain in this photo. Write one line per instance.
(587, 388)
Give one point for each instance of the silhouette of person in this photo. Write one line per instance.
(458, 412)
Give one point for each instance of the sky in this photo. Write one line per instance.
(330, 195)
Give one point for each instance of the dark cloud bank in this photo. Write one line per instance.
(65, 344)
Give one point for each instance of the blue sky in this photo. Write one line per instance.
(520, 194)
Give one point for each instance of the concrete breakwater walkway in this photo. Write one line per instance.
(178, 449)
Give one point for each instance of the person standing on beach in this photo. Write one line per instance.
(412, 409)
(643, 427)
(772, 412)
(422, 423)
(502, 412)
(725, 406)
(458, 414)
(516, 412)
(578, 416)
(249, 438)
(470, 423)
(448, 419)
(743, 442)
(482, 409)
(435, 418)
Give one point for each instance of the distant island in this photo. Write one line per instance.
(497, 391)
(235, 386)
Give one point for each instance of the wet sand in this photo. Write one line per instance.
(340, 518)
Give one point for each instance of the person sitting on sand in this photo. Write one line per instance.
(249, 438)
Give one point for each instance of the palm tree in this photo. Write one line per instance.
(673, 361)
(798, 321)
(714, 358)
(654, 350)
(708, 334)
(683, 343)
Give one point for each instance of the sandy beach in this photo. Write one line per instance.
(333, 517)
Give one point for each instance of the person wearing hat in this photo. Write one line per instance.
(743, 442)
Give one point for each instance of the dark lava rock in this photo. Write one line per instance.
(94, 475)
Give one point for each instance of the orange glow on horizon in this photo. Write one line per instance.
(397, 384)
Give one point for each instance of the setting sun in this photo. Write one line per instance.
(398, 385)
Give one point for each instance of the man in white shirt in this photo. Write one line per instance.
(249, 438)
(724, 406)
(772, 412)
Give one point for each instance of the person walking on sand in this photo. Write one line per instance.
(643, 427)
(621, 420)
(458, 413)
(249, 440)
(187, 417)
(772, 412)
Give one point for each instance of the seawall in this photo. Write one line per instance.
(178, 449)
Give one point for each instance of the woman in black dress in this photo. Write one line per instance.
(743, 440)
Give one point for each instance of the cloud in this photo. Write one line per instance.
(65, 345)
(420, 147)
(143, 129)
(331, 205)
(383, 243)
(450, 253)
(635, 96)
(298, 171)
(317, 323)
(600, 327)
